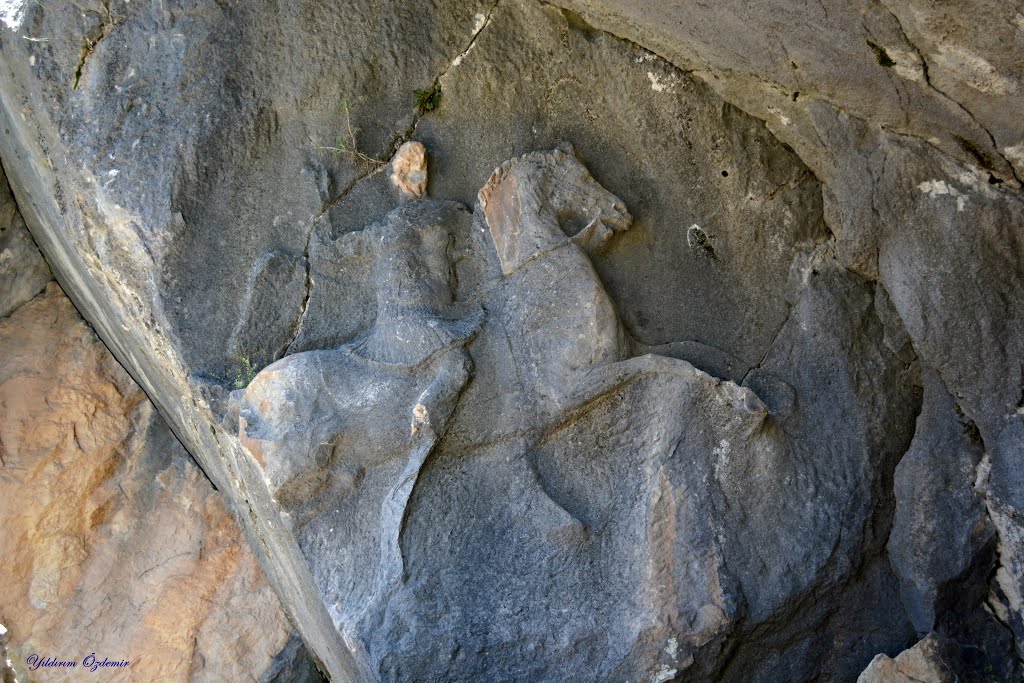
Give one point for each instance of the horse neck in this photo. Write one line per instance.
(521, 230)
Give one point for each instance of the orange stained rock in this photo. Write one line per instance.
(113, 541)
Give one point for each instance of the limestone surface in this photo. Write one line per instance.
(23, 272)
(702, 360)
(625, 485)
(113, 541)
(925, 662)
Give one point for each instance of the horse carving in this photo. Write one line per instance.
(546, 214)
(511, 479)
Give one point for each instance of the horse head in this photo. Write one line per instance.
(534, 202)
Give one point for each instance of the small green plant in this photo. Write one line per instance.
(245, 370)
(429, 99)
(345, 143)
(245, 373)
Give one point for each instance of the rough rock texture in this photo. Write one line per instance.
(920, 664)
(672, 558)
(23, 272)
(409, 169)
(113, 542)
(642, 415)
(936, 499)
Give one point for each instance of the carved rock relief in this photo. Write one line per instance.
(500, 467)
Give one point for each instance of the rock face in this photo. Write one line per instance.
(113, 542)
(919, 664)
(936, 498)
(695, 357)
(629, 490)
(23, 272)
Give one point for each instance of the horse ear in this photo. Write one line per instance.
(566, 147)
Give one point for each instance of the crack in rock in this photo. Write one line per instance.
(925, 69)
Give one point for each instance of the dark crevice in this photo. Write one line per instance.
(307, 290)
(330, 203)
(881, 56)
(91, 41)
(994, 591)
(325, 206)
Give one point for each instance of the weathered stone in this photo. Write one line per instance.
(944, 660)
(935, 499)
(409, 169)
(555, 415)
(905, 113)
(292, 665)
(944, 76)
(826, 208)
(114, 543)
(715, 167)
(922, 663)
(275, 295)
(23, 273)
(1001, 478)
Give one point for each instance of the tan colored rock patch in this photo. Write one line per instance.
(919, 664)
(409, 169)
(113, 541)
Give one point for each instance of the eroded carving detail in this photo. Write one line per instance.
(513, 479)
(317, 421)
